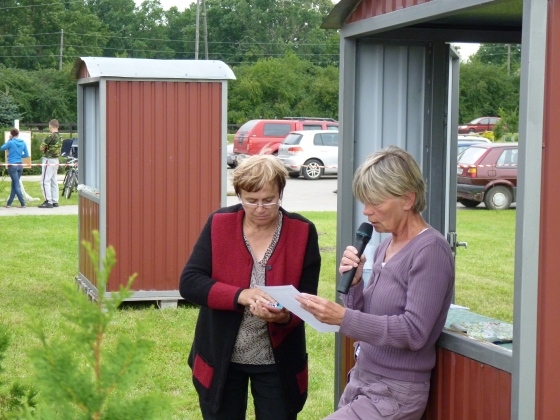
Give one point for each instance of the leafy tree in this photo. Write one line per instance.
(484, 89)
(498, 54)
(279, 87)
(31, 32)
(8, 109)
(245, 31)
(80, 373)
(41, 95)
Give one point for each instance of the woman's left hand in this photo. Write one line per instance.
(270, 313)
(323, 309)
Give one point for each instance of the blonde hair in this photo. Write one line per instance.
(390, 172)
(258, 171)
(54, 123)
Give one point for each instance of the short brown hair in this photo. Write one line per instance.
(390, 172)
(54, 123)
(14, 132)
(257, 171)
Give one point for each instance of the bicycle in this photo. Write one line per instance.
(70, 183)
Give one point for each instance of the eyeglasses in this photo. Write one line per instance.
(264, 205)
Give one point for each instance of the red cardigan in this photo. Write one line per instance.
(218, 269)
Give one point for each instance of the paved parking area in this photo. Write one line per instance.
(302, 195)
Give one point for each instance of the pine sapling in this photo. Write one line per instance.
(81, 372)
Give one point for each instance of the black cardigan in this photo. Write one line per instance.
(218, 269)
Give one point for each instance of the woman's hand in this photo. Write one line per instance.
(349, 261)
(323, 309)
(259, 305)
(270, 313)
(251, 296)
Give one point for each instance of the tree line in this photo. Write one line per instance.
(284, 63)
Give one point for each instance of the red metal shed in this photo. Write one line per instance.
(152, 137)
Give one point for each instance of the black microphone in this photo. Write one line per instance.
(363, 235)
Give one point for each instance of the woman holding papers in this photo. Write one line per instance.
(240, 335)
(398, 316)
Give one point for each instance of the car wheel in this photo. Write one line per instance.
(498, 198)
(293, 174)
(313, 169)
(469, 203)
(471, 131)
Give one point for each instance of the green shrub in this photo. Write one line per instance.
(82, 374)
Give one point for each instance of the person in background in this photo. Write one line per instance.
(239, 335)
(17, 149)
(398, 316)
(51, 150)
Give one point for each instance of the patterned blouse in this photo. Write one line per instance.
(252, 346)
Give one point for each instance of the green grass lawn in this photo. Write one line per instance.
(38, 257)
(33, 188)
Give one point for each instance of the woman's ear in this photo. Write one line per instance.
(409, 198)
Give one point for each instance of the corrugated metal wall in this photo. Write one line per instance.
(89, 221)
(548, 336)
(370, 8)
(163, 175)
(464, 389)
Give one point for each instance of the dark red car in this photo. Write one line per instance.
(488, 173)
(479, 125)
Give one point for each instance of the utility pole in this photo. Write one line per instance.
(509, 57)
(205, 28)
(61, 44)
(197, 24)
(197, 36)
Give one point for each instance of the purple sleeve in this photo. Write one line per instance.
(355, 297)
(430, 281)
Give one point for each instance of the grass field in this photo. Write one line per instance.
(32, 188)
(38, 257)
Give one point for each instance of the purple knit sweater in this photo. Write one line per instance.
(400, 314)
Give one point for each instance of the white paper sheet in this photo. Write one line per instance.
(286, 296)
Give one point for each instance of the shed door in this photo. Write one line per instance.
(407, 96)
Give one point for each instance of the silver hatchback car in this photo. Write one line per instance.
(311, 153)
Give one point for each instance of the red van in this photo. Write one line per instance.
(256, 134)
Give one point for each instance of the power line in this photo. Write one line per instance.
(42, 4)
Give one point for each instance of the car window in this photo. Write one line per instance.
(292, 139)
(485, 121)
(471, 155)
(317, 140)
(460, 149)
(332, 127)
(475, 121)
(312, 127)
(508, 157)
(330, 139)
(248, 125)
(494, 120)
(276, 129)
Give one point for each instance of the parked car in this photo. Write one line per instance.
(488, 173)
(254, 135)
(465, 141)
(310, 153)
(479, 125)
(231, 163)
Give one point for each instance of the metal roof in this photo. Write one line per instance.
(490, 15)
(143, 68)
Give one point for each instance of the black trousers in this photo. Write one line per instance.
(265, 388)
